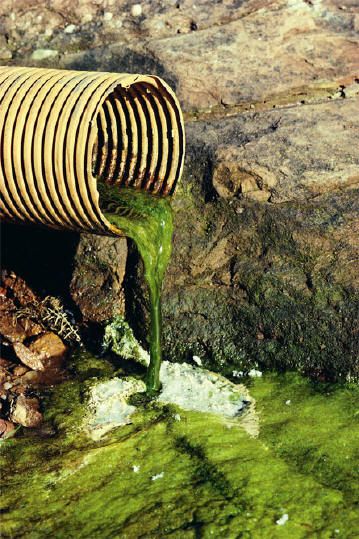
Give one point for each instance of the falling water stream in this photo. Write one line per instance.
(147, 220)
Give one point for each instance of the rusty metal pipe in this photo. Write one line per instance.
(63, 131)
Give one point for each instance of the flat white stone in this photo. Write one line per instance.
(190, 387)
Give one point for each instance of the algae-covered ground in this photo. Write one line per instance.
(187, 474)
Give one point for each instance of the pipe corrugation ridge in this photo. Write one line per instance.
(61, 132)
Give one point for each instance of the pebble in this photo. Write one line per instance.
(287, 402)
(282, 520)
(197, 360)
(135, 468)
(6, 427)
(70, 29)
(5, 53)
(86, 18)
(253, 373)
(26, 412)
(42, 54)
(20, 370)
(157, 476)
(107, 16)
(136, 10)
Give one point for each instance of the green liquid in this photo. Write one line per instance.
(147, 220)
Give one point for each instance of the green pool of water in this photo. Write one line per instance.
(188, 475)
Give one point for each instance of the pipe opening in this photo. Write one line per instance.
(139, 139)
(63, 131)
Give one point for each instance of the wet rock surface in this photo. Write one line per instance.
(266, 242)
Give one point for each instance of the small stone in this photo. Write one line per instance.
(26, 412)
(135, 468)
(27, 357)
(50, 349)
(6, 428)
(197, 360)
(282, 520)
(7, 385)
(253, 373)
(248, 184)
(5, 53)
(19, 390)
(46, 352)
(70, 29)
(107, 16)
(20, 370)
(87, 17)
(157, 476)
(5, 364)
(258, 196)
(3, 375)
(43, 54)
(13, 329)
(288, 402)
(18, 288)
(136, 10)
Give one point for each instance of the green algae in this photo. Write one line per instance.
(147, 220)
(193, 477)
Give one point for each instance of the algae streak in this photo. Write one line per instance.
(147, 220)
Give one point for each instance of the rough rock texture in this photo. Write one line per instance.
(266, 244)
(265, 262)
(96, 285)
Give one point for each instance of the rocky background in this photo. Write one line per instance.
(265, 264)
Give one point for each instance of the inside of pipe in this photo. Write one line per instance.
(139, 139)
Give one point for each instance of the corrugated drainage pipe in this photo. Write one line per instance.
(63, 131)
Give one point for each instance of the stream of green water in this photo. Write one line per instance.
(147, 220)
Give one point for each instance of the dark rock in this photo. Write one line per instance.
(100, 265)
